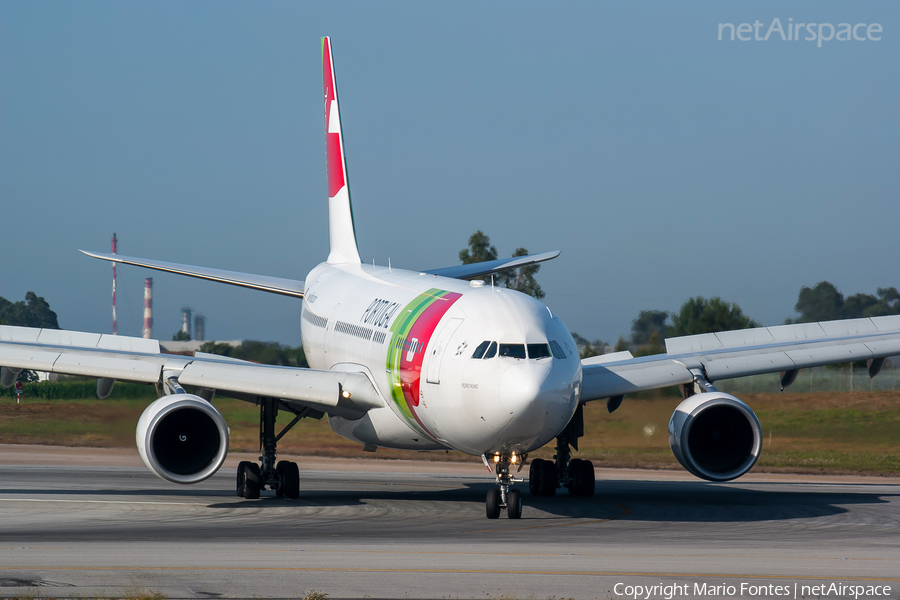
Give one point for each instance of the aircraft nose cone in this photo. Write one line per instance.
(523, 387)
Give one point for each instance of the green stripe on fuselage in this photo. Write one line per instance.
(400, 329)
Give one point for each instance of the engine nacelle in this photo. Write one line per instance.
(715, 436)
(182, 438)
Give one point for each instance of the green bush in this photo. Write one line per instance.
(81, 390)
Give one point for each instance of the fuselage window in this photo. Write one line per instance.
(512, 350)
(491, 351)
(479, 351)
(536, 351)
(557, 351)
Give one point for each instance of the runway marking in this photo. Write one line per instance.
(99, 501)
(626, 511)
(579, 554)
(466, 571)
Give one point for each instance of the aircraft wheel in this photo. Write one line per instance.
(289, 477)
(279, 475)
(492, 504)
(549, 479)
(584, 478)
(251, 481)
(574, 467)
(241, 477)
(534, 476)
(513, 504)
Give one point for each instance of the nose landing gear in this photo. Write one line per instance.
(503, 496)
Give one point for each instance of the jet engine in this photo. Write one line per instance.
(715, 436)
(182, 438)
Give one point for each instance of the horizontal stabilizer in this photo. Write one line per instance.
(274, 285)
(487, 267)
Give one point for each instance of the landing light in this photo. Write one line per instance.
(345, 394)
(496, 458)
(513, 458)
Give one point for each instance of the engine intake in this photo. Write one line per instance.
(715, 436)
(182, 438)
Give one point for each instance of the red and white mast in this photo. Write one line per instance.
(148, 308)
(115, 248)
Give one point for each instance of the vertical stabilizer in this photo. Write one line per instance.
(341, 231)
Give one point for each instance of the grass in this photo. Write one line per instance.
(802, 432)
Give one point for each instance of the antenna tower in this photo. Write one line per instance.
(115, 248)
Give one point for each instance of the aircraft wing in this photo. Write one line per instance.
(487, 267)
(729, 354)
(348, 394)
(275, 285)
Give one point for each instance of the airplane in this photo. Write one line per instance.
(437, 359)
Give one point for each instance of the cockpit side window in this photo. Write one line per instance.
(557, 350)
(479, 351)
(491, 351)
(536, 351)
(512, 350)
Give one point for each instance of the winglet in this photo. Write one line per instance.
(341, 230)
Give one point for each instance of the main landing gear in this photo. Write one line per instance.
(283, 477)
(545, 476)
(504, 496)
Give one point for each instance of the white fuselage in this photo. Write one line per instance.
(415, 334)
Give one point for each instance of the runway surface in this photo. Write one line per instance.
(79, 522)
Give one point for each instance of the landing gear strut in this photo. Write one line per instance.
(577, 475)
(283, 477)
(504, 496)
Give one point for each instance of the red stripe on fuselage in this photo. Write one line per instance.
(421, 332)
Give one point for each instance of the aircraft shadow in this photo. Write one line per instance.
(669, 501)
(701, 502)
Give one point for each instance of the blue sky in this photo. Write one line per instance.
(663, 162)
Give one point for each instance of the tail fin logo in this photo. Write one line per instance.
(341, 231)
(334, 145)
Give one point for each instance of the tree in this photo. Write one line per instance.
(699, 315)
(181, 336)
(267, 353)
(33, 312)
(820, 303)
(654, 345)
(824, 302)
(646, 324)
(521, 279)
(479, 250)
(587, 348)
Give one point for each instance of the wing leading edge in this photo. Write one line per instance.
(274, 285)
(744, 352)
(347, 394)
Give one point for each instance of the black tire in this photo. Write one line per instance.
(586, 483)
(574, 466)
(279, 475)
(290, 479)
(242, 466)
(251, 481)
(513, 504)
(534, 476)
(492, 504)
(549, 479)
